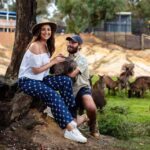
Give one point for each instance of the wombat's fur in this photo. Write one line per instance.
(65, 67)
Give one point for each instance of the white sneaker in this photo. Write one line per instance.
(73, 123)
(75, 135)
(48, 112)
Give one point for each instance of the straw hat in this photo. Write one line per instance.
(37, 26)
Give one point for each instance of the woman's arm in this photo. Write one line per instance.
(34, 48)
(52, 62)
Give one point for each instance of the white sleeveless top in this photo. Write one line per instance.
(33, 60)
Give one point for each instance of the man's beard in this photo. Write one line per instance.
(72, 50)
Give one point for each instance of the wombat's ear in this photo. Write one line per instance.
(51, 71)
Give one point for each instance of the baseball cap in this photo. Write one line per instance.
(75, 38)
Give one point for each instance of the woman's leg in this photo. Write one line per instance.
(50, 97)
(63, 84)
(58, 107)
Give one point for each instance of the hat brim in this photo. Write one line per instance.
(36, 27)
(71, 39)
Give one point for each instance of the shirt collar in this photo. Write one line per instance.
(74, 55)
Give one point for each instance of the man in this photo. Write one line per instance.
(81, 86)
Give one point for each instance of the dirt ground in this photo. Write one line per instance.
(38, 132)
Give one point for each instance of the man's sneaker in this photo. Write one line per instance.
(94, 131)
(75, 135)
(82, 119)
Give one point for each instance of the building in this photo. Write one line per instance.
(122, 23)
(7, 21)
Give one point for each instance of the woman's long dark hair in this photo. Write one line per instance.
(50, 41)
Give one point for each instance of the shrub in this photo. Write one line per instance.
(114, 125)
(120, 110)
(141, 129)
(113, 122)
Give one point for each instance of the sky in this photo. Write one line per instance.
(52, 8)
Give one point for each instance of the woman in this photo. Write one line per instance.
(34, 79)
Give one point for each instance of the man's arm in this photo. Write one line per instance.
(74, 73)
(81, 67)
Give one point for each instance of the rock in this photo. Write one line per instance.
(8, 88)
(15, 108)
(3, 90)
(30, 123)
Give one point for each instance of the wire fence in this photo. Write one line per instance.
(132, 36)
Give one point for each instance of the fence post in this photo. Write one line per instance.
(142, 41)
(126, 35)
(114, 37)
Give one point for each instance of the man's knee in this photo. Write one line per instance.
(91, 108)
(89, 103)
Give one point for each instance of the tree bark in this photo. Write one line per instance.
(26, 18)
(14, 109)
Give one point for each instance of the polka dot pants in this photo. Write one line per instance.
(61, 104)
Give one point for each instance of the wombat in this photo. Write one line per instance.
(64, 68)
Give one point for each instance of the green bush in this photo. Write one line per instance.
(120, 110)
(114, 121)
(115, 125)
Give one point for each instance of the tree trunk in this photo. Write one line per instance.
(26, 18)
(13, 109)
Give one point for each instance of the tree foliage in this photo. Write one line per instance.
(143, 8)
(77, 14)
(82, 14)
(11, 4)
(41, 7)
(139, 8)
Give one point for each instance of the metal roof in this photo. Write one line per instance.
(123, 13)
(8, 12)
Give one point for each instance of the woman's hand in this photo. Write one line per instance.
(52, 62)
(58, 59)
(61, 55)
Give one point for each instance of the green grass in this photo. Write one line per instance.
(139, 108)
(140, 143)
